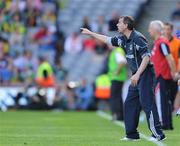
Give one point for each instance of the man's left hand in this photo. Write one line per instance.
(134, 79)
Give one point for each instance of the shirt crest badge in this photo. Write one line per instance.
(130, 47)
(119, 42)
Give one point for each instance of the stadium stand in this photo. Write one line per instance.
(70, 18)
(30, 29)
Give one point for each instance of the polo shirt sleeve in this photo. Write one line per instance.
(164, 48)
(142, 47)
(116, 41)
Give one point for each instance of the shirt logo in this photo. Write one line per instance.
(137, 47)
(130, 47)
(119, 42)
(130, 56)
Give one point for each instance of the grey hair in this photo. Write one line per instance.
(158, 25)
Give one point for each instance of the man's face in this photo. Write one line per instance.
(152, 31)
(121, 26)
(167, 30)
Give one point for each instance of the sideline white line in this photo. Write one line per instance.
(121, 124)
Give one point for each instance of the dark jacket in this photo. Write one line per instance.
(136, 47)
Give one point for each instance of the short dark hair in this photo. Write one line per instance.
(169, 24)
(129, 21)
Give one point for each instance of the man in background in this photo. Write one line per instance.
(45, 76)
(118, 74)
(165, 72)
(174, 46)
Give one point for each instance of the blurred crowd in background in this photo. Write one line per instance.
(31, 46)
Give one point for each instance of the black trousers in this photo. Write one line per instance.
(142, 97)
(165, 105)
(174, 90)
(116, 99)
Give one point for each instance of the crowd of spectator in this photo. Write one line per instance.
(30, 35)
(175, 19)
(29, 30)
(19, 47)
(31, 39)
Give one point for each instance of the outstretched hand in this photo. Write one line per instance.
(100, 37)
(85, 31)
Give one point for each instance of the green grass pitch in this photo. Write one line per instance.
(34, 128)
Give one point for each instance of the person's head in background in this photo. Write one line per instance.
(176, 14)
(115, 15)
(74, 35)
(168, 30)
(41, 59)
(16, 17)
(156, 29)
(178, 5)
(86, 23)
(100, 19)
(125, 24)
